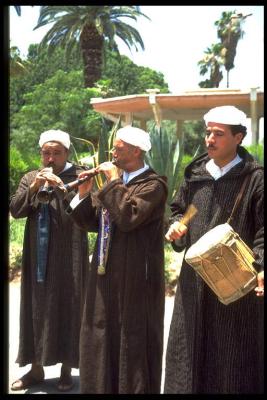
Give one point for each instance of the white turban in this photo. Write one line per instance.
(135, 136)
(55, 135)
(228, 115)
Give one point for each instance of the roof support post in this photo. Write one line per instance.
(154, 105)
(254, 116)
(128, 118)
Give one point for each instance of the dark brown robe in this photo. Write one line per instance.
(122, 329)
(215, 348)
(50, 311)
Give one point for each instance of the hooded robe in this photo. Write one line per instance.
(122, 328)
(215, 348)
(50, 311)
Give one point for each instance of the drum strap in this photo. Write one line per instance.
(239, 196)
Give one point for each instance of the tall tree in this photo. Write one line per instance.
(229, 31)
(87, 29)
(211, 62)
(18, 10)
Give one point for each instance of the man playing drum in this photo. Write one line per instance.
(212, 347)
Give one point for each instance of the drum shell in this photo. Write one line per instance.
(226, 267)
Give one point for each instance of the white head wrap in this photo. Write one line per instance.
(228, 115)
(135, 136)
(55, 135)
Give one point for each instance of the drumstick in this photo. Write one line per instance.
(188, 215)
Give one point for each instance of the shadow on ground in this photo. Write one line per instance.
(49, 386)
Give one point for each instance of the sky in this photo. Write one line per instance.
(175, 39)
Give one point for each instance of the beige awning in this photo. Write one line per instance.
(188, 105)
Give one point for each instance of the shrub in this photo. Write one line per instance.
(257, 151)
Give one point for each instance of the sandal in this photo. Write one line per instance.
(25, 382)
(65, 383)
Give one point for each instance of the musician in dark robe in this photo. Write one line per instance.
(54, 263)
(215, 348)
(121, 342)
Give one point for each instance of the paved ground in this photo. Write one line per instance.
(51, 373)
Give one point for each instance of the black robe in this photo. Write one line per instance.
(122, 329)
(50, 311)
(215, 348)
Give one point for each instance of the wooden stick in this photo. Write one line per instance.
(188, 215)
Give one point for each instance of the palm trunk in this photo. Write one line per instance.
(92, 52)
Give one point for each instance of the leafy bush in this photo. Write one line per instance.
(16, 230)
(19, 164)
(257, 151)
(18, 167)
(16, 235)
(15, 256)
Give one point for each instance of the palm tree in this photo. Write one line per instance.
(89, 29)
(212, 62)
(18, 10)
(229, 31)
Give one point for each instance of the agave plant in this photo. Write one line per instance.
(165, 158)
(102, 153)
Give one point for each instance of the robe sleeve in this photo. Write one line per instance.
(257, 207)
(85, 214)
(130, 211)
(21, 203)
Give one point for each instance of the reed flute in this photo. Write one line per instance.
(46, 192)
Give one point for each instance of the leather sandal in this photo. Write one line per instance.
(65, 383)
(25, 382)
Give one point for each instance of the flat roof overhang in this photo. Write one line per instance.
(188, 105)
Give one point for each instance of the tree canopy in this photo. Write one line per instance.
(88, 30)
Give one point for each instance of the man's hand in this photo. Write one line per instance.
(260, 288)
(86, 187)
(176, 230)
(110, 170)
(52, 179)
(40, 179)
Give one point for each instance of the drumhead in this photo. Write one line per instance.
(209, 240)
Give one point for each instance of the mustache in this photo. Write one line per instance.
(210, 146)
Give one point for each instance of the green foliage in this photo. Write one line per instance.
(211, 62)
(165, 157)
(257, 151)
(42, 67)
(20, 162)
(16, 230)
(172, 267)
(102, 152)
(229, 31)
(194, 135)
(128, 78)
(18, 167)
(17, 66)
(92, 237)
(86, 29)
(59, 103)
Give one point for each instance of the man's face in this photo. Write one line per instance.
(221, 143)
(54, 155)
(124, 154)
